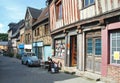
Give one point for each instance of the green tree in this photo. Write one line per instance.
(4, 36)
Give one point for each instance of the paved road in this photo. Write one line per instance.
(11, 71)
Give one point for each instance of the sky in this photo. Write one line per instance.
(14, 11)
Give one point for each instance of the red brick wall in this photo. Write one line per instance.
(114, 73)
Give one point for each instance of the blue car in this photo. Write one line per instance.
(30, 59)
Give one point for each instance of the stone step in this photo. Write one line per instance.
(93, 76)
(70, 70)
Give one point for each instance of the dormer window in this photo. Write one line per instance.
(88, 2)
(59, 9)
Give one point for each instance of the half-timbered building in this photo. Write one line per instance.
(63, 15)
(85, 35)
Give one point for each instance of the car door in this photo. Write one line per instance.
(25, 58)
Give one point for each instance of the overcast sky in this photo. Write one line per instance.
(14, 11)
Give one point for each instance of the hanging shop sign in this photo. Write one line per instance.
(28, 47)
(21, 46)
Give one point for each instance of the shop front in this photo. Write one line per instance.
(28, 48)
(59, 47)
(47, 52)
(38, 49)
(21, 49)
(111, 51)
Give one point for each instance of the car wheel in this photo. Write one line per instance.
(27, 64)
(22, 62)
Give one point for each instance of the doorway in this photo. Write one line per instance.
(73, 50)
(93, 52)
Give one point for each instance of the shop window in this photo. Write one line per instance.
(115, 48)
(59, 9)
(97, 46)
(60, 47)
(89, 46)
(88, 2)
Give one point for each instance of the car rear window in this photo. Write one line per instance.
(30, 54)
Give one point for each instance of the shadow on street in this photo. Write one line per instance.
(12, 71)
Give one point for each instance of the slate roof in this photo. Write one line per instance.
(4, 43)
(43, 16)
(16, 28)
(11, 25)
(22, 24)
(49, 2)
(34, 12)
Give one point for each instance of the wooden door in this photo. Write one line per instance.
(40, 53)
(93, 53)
(73, 49)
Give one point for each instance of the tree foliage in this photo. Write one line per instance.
(4, 36)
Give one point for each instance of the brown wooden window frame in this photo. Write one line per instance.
(46, 29)
(59, 10)
(35, 32)
(38, 32)
(87, 3)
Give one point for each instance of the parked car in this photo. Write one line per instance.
(30, 59)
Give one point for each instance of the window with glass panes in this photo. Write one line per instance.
(88, 2)
(59, 10)
(46, 29)
(89, 46)
(98, 46)
(115, 48)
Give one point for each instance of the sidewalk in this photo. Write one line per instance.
(77, 80)
(80, 79)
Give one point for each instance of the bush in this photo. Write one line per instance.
(5, 54)
(18, 56)
(11, 54)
